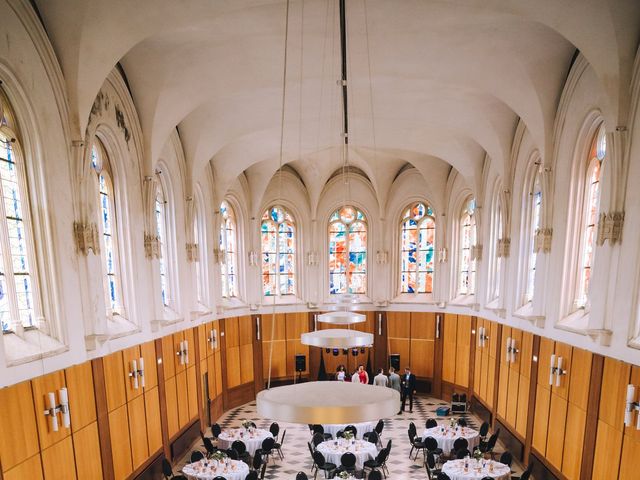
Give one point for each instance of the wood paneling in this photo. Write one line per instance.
(114, 378)
(183, 401)
(399, 324)
(512, 397)
(168, 357)
(30, 469)
(58, 462)
(400, 346)
(541, 422)
(232, 332)
(423, 325)
(152, 409)
(522, 414)
(574, 440)
(18, 432)
(192, 392)
(629, 459)
(172, 407)
(615, 379)
(609, 444)
(544, 362)
(82, 402)
(233, 365)
(449, 348)
(86, 448)
(148, 352)
(138, 431)
(41, 386)
(279, 329)
(421, 355)
(246, 363)
(120, 444)
(245, 326)
(555, 435)
(565, 351)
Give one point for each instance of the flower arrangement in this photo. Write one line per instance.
(348, 435)
(343, 475)
(246, 424)
(218, 455)
(477, 454)
(452, 422)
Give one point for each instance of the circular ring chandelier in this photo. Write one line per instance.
(342, 317)
(337, 338)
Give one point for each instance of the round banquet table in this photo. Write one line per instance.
(361, 428)
(455, 470)
(209, 469)
(334, 449)
(252, 438)
(446, 435)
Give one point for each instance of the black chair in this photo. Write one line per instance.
(373, 438)
(526, 474)
(490, 444)
(166, 468)
(317, 439)
(252, 475)
(375, 475)
(196, 456)
(263, 471)
(443, 476)
(257, 460)
(462, 422)
(322, 464)
(432, 471)
(278, 445)
(416, 443)
(460, 444)
(320, 429)
(484, 430)
(462, 453)
(340, 434)
(431, 423)
(311, 449)
(267, 448)
(506, 458)
(388, 447)
(486, 478)
(232, 453)
(431, 445)
(352, 429)
(348, 462)
(219, 477)
(377, 430)
(216, 430)
(275, 430)
(240, 447)
(378, 462)
(302, 476)
(208, 445)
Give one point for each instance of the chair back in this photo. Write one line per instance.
(462, 453)
(302, 476)
(373, 437)
(455, 397)
(232, 453)
(340, 434)
(463, 397)
(379, 427)
(318, 429)
(257, 459)
(484, 429)
(208, 445)
(492, 440)
(389, 447)
(431, 460)
(506, 458)
(375, 475)
(431, 423)
(431, 444)
(196, 456)
(282, 438)
(460, 444)
(413, 429)
(252, 475)
(219, 477)
(462, 422)
(267, 445)
(382, 456)
(317, 439)
(353, 429)
(319, 459)
(348, 460)
(166, 468)
(443, 476)
(239, 447)
(216, 430)
(274, 429)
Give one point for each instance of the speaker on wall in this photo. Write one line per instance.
(394, 361)
(301, 363)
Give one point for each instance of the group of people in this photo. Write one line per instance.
(405, 384)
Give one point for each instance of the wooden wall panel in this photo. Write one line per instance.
(541, 419)
(171, 395)
(555, 435)
(128, 356)
(279, 329)
(233, 366)
(177, 340)
(246, 363)
(218, 372)
(86, 448)
(232, 332)
(449, 348)
(114, 378)
(615, 379)
(629, 459)
(574, 441)
(503, 390)
(82, 402)
(192, 391)
(512, 397)
(421, 357)
(609, 443)
(58, 462)
(148, 352)
(399, 324)
(544, 360)
(295, 347)
(138, 431)
(565, 351)
(423, 325)
(40, 387)
(245, 330)
(30, 469)
(400, 346)
(296, 325)
(18, 432)
(168, 357)
(120, 444)
(183, 400)
(522, 415)
(152, 410)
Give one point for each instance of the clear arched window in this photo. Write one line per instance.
(467, 264)
(107, 226)
(278, 238)
(348, 251)
(19, 305)
(417, 240)
(591, 205)
(535, 199)
(495, 272)
(200, 261)
(161, 232)
(228, 251)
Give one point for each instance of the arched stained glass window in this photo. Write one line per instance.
(278, 239)
(161, 232)
(495, 274)
(536, 206)
(348, 251)
(417, 240)
(591, 205)
(108, 229)
(467, 265)
(228, 251)
(18, 281)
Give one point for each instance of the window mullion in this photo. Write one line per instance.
(5, 244)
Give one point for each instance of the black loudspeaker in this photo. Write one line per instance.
(301, 363)
(394, 361)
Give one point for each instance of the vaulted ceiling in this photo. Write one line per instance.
(430, 81)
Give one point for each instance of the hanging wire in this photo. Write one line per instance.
(284, 91)
(373, 118)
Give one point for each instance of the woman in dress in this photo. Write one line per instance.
(340, 373)
(363, 375)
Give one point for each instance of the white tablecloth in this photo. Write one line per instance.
(361, 428)
(334, 449)
(445, 439)
(209, 469)
(252, 439)
(455, 470)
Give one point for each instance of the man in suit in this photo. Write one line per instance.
(408, 388)
(394, 381)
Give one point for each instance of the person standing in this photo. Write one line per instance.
(380, 379)
(394, 381)
(340, 373)
(363, 376)
(408, 388)
(355, 378)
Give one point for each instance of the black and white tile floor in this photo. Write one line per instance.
(296, 452)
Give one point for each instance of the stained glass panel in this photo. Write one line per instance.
(228, 251)
(278, 241)
(347, 251)
(467, 266)
(535, 226)
(417, 239)
(161, 229)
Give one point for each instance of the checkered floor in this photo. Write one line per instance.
(297, 456)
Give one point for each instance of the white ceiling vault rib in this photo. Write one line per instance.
(449, 79)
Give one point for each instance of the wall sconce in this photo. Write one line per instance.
(482, 337)
(253, 258)
(442, 255)
(313, 259)
(438, 317)
(631, 405)
(257, 328)
(379, 324)
(511, 350)
(62, 408)
(315, 322)
(213, 339)
(183, 352)
(556, 370)
(137, 374)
